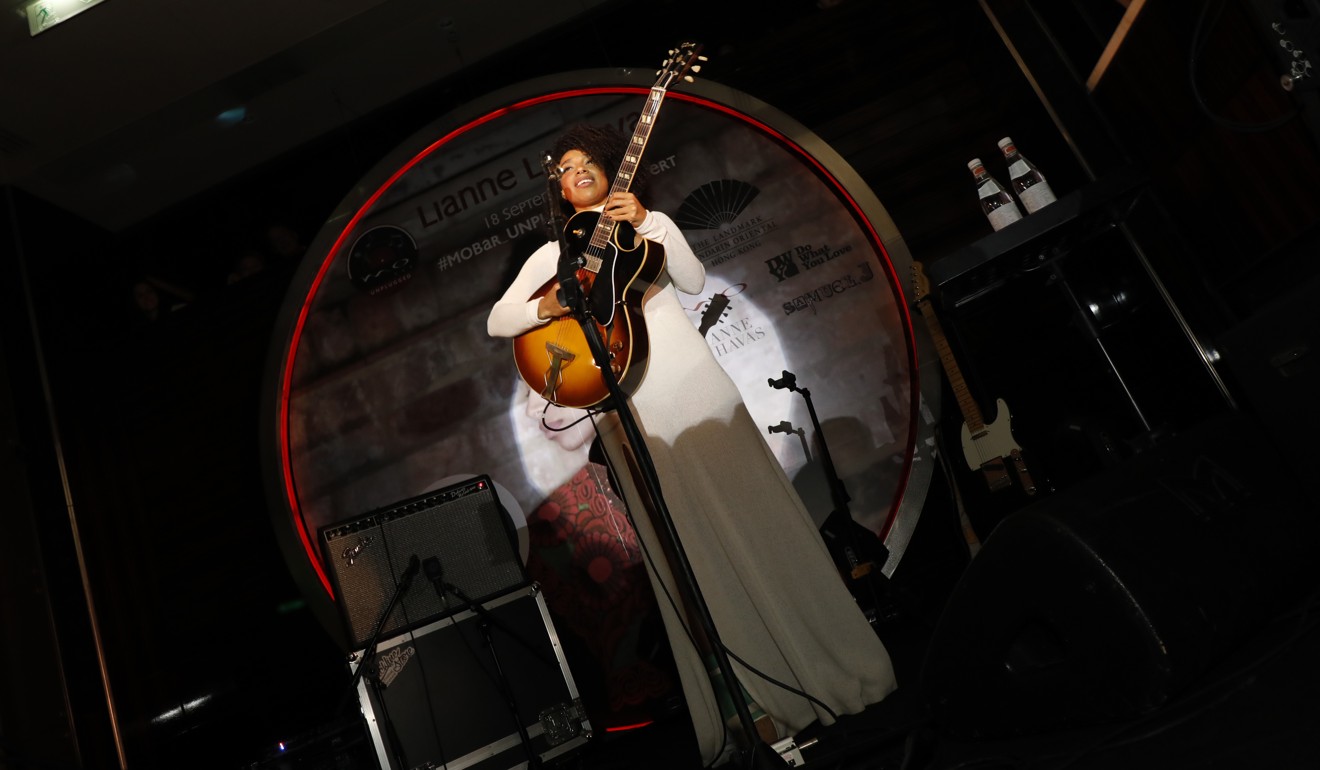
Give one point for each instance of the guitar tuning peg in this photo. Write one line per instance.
(703, 58)
(696, 68)
(688, 78)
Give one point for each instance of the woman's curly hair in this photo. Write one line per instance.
(603, 144)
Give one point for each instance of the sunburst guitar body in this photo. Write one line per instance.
(555, 359)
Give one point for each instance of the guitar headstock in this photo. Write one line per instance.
(716, 309)
(920, 283)
(682, 60)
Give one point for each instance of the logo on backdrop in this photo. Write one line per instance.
(807, 256)
(715, 206)
(381, 259)
(828, 291)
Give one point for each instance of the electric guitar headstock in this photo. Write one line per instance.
(682, 60)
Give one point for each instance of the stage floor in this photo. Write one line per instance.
(1256, 709)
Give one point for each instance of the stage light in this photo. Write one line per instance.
(232, 116)
(181, 710)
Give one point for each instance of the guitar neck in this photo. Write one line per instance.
(632, 158)
(970, 411)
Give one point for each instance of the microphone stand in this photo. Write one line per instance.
(369, 655)
(572, 297)
(436, 575)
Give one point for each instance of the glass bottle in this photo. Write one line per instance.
(1028, 183)
(997, 205)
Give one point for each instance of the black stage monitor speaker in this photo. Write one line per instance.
(445, 694)
(463, 527)
(1273, 358)
(1101, 603)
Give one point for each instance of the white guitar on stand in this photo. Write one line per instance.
(987, 447)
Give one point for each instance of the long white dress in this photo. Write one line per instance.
(762, 568)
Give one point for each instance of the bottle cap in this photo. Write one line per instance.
(1005, 142)
(974, 164)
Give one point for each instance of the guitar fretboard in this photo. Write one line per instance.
(970, 411)
(632, 157)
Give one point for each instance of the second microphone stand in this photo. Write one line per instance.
(574, 298)
(435, 574)
(368, 658)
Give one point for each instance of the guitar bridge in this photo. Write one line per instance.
(996, 474)
(559, 357)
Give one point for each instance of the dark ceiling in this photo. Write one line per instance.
(116, 113)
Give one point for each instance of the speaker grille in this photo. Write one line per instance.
(462, 526)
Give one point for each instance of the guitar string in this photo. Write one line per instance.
(606, 228)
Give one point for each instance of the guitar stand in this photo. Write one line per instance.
(840, 530)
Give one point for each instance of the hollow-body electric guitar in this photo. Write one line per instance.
(987, 447)
(616, 270)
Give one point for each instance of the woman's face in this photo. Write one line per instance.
(582, 181)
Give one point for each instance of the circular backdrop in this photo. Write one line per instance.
(382, 381)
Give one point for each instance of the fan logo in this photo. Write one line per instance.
(720, 206)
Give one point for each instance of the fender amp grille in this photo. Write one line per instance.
(463, 527)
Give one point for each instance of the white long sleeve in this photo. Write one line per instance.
(515, 313)
(685, 270)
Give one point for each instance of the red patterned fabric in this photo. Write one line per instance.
(586, 557)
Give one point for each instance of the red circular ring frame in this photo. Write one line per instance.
(286, 373)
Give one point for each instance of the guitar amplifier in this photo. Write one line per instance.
(445, 695)
(462, 526)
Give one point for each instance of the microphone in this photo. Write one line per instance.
(435, 572)
(410, 571)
